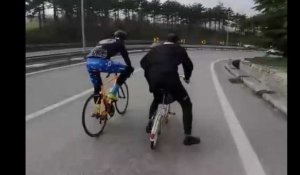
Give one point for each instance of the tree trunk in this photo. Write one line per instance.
(106, 14)
(222, 25)
(132, 14)
(78, 13)
(215, 25)
(44, 16)
(54, 11)
(40, 19)
(167, 21)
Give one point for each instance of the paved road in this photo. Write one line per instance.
(241, 134)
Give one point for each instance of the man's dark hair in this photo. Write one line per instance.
(173, 37)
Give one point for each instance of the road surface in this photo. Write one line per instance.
(241, 134)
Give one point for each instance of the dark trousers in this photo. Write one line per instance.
(175, 88)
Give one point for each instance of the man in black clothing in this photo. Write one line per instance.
(161, 71)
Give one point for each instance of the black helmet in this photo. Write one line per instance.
(121, 34)
(172, 37)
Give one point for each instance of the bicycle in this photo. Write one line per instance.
(102, 107)
(161, 116)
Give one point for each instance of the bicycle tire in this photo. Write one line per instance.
(97, 134)
(123, 93)
(152, 145)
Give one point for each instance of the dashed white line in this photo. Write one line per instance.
(63, 102)
(248, 156)
(36, 65)
(77, 58)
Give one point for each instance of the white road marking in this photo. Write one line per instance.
(77, 58)
(248, 156)
(56, 105)
(63, 102)
(36, 65)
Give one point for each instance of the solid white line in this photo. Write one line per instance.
(61, 103)
(248, 156)
(56, 105)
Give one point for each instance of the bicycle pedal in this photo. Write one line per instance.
(112, 111)
(103, 115)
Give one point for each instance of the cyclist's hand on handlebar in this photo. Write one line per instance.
(186, 81)
(131, 69)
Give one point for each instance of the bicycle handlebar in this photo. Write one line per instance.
(183, 77)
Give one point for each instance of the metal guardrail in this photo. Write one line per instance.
(44, 47)
(75, 52)
(72, 53)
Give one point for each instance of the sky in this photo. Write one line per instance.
(240, 6)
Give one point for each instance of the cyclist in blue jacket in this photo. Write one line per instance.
(98, 60)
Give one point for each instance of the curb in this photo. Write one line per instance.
(279, 104)
(264, 92)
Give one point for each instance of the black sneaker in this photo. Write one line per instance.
(191, 140)
(149, 127)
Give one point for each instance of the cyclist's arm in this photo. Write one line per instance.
(125, 56)
(186, 64)
(145, 65)
(145, 62)
(89, 54)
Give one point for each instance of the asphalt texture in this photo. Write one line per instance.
(56, 143)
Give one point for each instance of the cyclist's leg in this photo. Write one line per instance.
(116, 67)
(125, 72)
(154, 105)
(94, 73)
(176, 89)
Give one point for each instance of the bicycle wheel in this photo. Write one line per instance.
(154, 131)
(152, 145)
(123, 98)
(93, 125)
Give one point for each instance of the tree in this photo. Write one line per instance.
(33, 7)
(227, 16)
(275, 12)
(209, 16)
(154, 7)
(170, 10)
(142, 9)
(196, 13)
